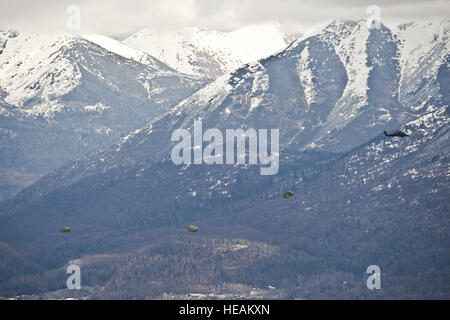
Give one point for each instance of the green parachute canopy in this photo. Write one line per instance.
(288, 194)
(192, 228)
(65, 230)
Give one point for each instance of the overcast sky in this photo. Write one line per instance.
(119, 18)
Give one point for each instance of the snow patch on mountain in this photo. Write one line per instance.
(260, 85)
(46, 108)
(98, 108)
(306, 76)
(350, 41)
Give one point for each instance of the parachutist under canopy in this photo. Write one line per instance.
(192, 228)
(65, 230)
(288, 194)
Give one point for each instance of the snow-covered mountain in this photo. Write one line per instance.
(332, 91)
(63, 96)
(360, 197)
(424, 59)
(204, 52)
(378, 90)
(38, 71)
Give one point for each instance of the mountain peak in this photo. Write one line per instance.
(347, 24)
(207, 52)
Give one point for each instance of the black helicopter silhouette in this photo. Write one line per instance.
(397, 133)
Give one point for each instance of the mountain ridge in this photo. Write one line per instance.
(360, 198)
(204, 52)
(63, 96)
(249, 96)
